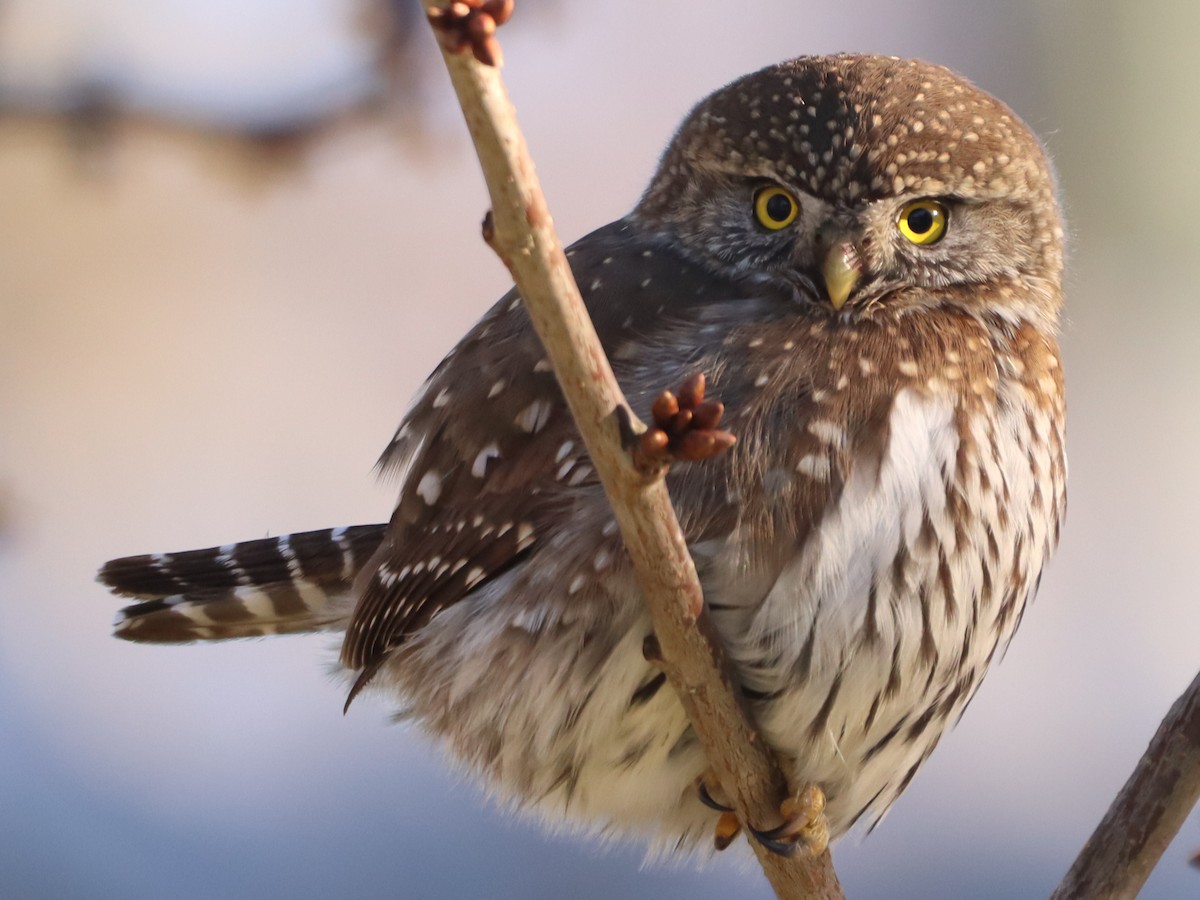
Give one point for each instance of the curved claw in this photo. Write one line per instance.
(707, 799)
(804, 825)
(768, 839)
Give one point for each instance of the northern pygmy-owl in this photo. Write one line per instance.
(864, 256)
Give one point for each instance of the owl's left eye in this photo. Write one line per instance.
(775, 208)
(923, 222)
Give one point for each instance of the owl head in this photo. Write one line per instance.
(867, 186)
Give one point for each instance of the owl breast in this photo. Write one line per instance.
(861, 630)
(881, 628)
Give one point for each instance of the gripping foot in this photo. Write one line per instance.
(804, 825)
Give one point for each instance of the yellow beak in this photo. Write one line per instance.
(841, 271)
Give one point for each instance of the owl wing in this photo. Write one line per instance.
(489, 454)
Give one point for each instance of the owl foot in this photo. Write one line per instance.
(728, 826)
(804, 824)
(684, 427)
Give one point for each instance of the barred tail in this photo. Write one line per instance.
(278, 585)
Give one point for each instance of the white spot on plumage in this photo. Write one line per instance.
(496, 388)
(576, 584)
(534, 417)
(814, 466)
(601, 560)
(285, 550)
(530, 620)
(826, 431)
(442, 398)
(565, 469)
(524, 535)
(907, 367)
(429, 488)
(479, 467)
(761, 380)
(474, 576)
(564, 450)
(580, 475)
(543, 365)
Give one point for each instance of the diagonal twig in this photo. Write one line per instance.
(695, 662)
(1147, 813)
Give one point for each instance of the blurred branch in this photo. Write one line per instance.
(694, 660)
(1147, 813)
(99, 109)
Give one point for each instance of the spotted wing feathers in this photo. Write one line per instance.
(490, 456)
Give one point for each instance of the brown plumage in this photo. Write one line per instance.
(864, 256)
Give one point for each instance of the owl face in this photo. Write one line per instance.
(865, 185)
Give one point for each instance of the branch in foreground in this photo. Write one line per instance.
(695, 663)
(1147, 814)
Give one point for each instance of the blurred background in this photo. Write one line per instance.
(235, 237)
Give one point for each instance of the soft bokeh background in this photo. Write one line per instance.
(195, 350)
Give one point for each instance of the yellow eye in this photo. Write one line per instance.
(775, 208)
(923, 222)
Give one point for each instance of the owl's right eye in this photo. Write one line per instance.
(775, 208)
(923, 222)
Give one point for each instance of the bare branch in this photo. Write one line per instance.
(1146, 815)
(695, 663)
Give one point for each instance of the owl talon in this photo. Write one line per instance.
(707, 799)
(728, 828)
(651, 649)
(803, 824)
(684, 427)
(779, 848)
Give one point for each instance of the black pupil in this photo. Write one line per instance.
(920, 220)
(779, 207)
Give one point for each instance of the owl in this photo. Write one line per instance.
(864, 256)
